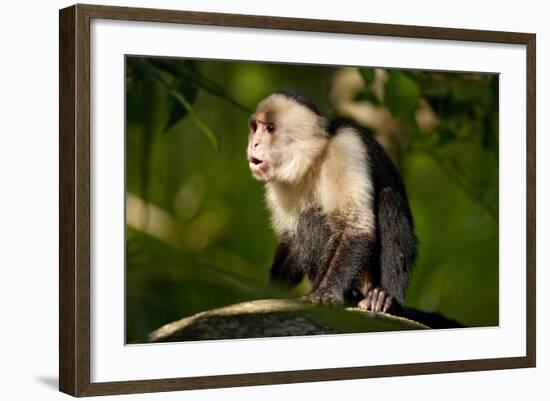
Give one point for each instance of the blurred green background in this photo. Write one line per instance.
(197, 229)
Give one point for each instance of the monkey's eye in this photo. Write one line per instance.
(270, 128)
(252, 125)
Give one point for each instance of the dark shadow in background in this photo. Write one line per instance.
(49, 381)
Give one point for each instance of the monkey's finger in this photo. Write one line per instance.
(374, 297)
(387, 304)
(375, 294)
(316, 299)
(368, 301)
(332, 299)
(312, 297)
(379, 301)
(365, 303)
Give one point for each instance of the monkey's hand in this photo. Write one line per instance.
(324, 297)
(376, 300)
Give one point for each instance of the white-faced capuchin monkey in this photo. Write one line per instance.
(338, 205)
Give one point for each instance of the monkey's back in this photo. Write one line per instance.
(384, 173)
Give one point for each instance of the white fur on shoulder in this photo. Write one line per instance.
(345, 186)
(340, 185)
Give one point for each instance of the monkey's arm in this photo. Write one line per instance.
(352, 251)
(284, 271)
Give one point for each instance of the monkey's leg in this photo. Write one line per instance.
(284, 271)
(316, 275)
(351, 254)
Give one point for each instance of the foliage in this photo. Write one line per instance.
(198, 234)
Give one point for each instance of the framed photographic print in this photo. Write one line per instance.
(251, 200)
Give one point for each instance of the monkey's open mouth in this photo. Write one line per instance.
(258, 167)
(255, 161)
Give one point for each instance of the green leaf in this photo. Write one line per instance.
(367, 96)
(401, 94)
(177, 112)
(143, 104)
(445, 135)
(196, 119)
(184, 68)
(153, 74)
(367, 74)
(413, 74)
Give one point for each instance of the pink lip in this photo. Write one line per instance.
(256, 168)
(256, 165)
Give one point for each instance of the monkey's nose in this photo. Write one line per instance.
(255, 145)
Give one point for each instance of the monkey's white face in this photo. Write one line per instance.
(283, 140)
(262, 159)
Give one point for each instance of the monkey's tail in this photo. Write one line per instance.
(434, 320)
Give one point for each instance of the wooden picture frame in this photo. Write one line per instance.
(74, 205)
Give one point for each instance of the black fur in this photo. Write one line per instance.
(433, 320)
(286, 270)
(352, 255)
(334, 258)
(396, 241)
(298, 98)
(332, 255)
